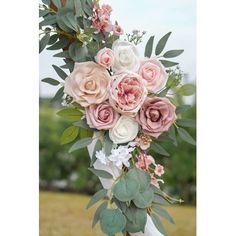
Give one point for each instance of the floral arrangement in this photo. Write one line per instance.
(121, 106)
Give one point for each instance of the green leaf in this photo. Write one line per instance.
(97, 197)
(173, 53)
(182, 108)
(83, 124)
(62, 43)
(186, 136)
(159, 199)
(158, 224)
(97, 147)
(48, 20)
(62, 19)
(168, 64)
(78, 52)
(69, 65)
(78, 7)
(163, 213)
(43, 42)
(57, 3)
(63, 54)
(187, 90)
(53, 39)
(82, 143)
(163, 92)
(51, 81)
(142, 177)
(98, 212)
(70, 114)
(69, 134)
(172, 134)
(126, 189)
(162, 43)
(58, 95)
(186, 123)
(108, 144)
(149, 47)
(101, 173)
(136, 219)
(112, 221)
(144, 199)
(60, 72)
(159, 149)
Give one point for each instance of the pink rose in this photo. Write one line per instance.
(156, 116)
(105, 57)
(101, 116)
(154, 73)
(127, 93)
(88, 83)
(117, 30)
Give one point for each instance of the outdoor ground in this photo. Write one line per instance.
(64, 214)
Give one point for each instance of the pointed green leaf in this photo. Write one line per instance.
(159, 149)
(78, 52)
(83, 124)
(168, 64)
(108, 144)
(51, 81)
(101, 173)
(82, 143)
(186, 136)
(69, 134)
(160, 199)
(98, 212)
(163, 213)
(182, 108)
(149, 47)
(97, 197)
(187, 90)
(186, 123)
(60, 72)
(62, 43)
(53, 39)
(57, 3)
(43, 42)
(162, 43)
(97, 147)
(70, 114)
(63, 54)
(173, 53)
(58, 95)
(158, 224)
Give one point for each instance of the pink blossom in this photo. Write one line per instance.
(159, 170)
(117, 30)
(105, 58)
(143, 141)
(144, 161)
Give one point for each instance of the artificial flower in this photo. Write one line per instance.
(105, 58)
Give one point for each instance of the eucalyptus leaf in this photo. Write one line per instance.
(162, 43)
(70, 114)
(97, 197)
(112, 221)
(168, 64)
(158, 224)
(160, 199)
(53, 39)
(81, 144)
(62, 19)
(126, 189)
(43, 42)
(163, 213)
(48, 20)
(101, 173)
(149, 47)
(108, 144)
(63, 54)
(159, 149)
(51, 81)
(62, 43)
(184, 135)
(58, 95)
(82, 123)
(57, 3)
(173, 53)
(98, 212)
(69, 134)
(142, 177)
(60, 72)
(98, 147)
(78, 52)
(144, 199)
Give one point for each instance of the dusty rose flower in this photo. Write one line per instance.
(101, 116)
(144, 161)
(127, 93)
(105, 57)
(88, 83)
(117, 30)
(143, 141)
(156, 116)
(126, 56)
(154, 73)
(159, 170)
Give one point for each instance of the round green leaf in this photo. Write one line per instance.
(112, 221)
(142, 177)
(144, 199)
(126, 189)
(187, 90)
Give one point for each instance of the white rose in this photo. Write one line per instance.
(125, 130)
(126, 56)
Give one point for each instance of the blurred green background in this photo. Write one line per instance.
(60, 171)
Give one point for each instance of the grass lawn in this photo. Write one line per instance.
(64, 214)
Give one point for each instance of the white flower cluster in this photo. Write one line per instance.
(118, 157)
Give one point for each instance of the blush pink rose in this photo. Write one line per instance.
(127, 93)
(105, 58)
(101, 116)
(117, 30)
(88, 84)
(154, 73)
(156, 116)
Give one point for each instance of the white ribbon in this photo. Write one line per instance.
(150, 229)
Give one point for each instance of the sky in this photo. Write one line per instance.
(157, 17)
